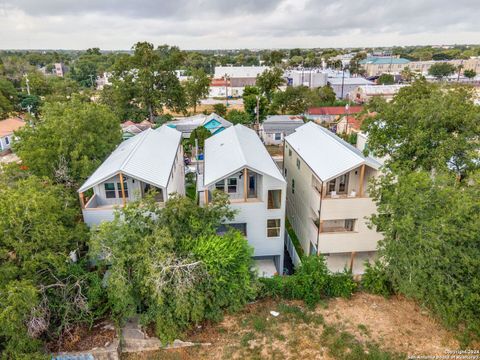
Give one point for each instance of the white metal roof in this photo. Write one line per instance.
(233, 149)
(349, 81)
(380, 89)
(148, 156)
(325, 153)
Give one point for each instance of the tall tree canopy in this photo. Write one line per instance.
(426, 127)
(69, 141)
(427, 198)
(196, 87)
(147, 80)
(270, 81)
(441, 70)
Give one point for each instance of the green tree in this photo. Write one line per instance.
(200, 134)
(189, 275)
(355, 67)
(426, 126)
(441, 70)
(386, 79)
(69, 141)
(431, 247)
(238, 117)
(42, 293)
(270, 81)
(250, 96)
(324, 96)
(196, 87)
(37, 83)
(84, 71)
(220, 109)
(8, 97)
(470, 74)
(294, 100)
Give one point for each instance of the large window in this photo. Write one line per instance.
(341, 225)
(274, 199)
(273, 227)
(232, 185)
(339, 185)
(242, 227)
(278, 136)
(125, 188)
(110, 190)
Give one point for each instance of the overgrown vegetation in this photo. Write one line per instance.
(170, 266)
(428, 208)
(311, 283)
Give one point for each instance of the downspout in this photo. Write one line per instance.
(319, 215)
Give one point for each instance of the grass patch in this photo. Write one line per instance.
(260, 324)
(296, 312)
(246, 338)
(363, 329)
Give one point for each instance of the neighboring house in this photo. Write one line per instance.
(223, 88)
(330, 114)
(343, 86)
(213, 122)
(150, 160)
(237, 162)
(275, 127)
(231, 80)
(348, 124)
(7, 127)
(130, 128)
(363, 94)
(327, 197)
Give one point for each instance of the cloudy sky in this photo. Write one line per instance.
(219, 24)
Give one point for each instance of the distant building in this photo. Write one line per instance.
(330, 114)
(103, 80)
(343, 86)
(60, 69)
(130, 128)
(231, 80)
(363, 94)
(7, 128)
(275, 127)
(312, 78)
(213, 122)
(377, 65)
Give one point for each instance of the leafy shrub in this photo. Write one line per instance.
(375, 280)
(310, 283)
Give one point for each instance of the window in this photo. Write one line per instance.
(110, 191)
(285, 172)
(220, 185)
(278, 136)
(298, 163)
(340, 225)
(125, 188)
(273, 227)
(7, 140)
(293, 186)
(232, 185)
(242, 227)
(349, 224)
(289, 152)
(274, 199)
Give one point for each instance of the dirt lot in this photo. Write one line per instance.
(364, 327)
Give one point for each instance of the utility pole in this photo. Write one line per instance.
(343, 80)
(226, 89)
(91, 79)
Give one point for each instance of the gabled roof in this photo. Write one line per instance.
(282, 123)
(148, 156)
(234, 149)
(333, 110)
(8, 126)
(325, 153)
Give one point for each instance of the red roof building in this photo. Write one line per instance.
(334, 110)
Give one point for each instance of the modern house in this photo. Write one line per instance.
(151, 160)
(327, 197)
(7, 128)
(237, 163)
(275, 127)
(213, 123)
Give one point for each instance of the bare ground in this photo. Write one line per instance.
(365, 326)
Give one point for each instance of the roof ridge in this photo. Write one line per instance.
(338, 140)
(135, 148)
(239, 126)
